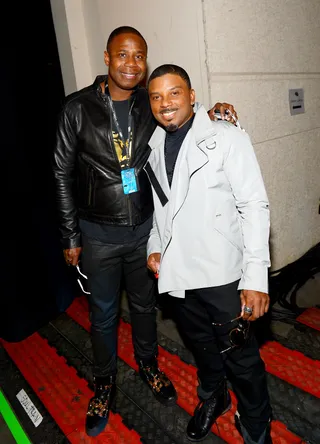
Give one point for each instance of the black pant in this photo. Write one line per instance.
(243, 367)
(108, 265)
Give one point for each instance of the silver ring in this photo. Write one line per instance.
(247, 309)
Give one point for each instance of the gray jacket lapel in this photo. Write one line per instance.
(156, 159)
(192, 157)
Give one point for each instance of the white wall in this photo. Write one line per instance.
(64, 45)
(72, 40)
(257, 50)
(248, 53)
(172, 28)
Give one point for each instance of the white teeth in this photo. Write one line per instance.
(170, 113)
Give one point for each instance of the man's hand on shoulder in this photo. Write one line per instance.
(256, 301)
(226, 111)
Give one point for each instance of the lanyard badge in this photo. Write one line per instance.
(128, 175)
(129, 180)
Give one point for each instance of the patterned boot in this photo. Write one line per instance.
(99, 405)
(157, 381)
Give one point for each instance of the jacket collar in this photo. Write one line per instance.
(202, 127)
(101, 84)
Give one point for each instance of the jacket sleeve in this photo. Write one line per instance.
(64, 158)
(244, 174)
(154, 241)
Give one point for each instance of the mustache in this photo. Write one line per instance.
(168, 110)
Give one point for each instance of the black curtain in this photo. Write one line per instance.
(36, 285)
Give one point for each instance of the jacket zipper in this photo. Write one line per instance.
(90, 187)
(130, 164)
(129, 209)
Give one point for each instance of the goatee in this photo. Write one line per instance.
(171, 128)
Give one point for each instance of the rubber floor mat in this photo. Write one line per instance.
(310, 317)
(292, 366)
(63, 392)
(184, 377)
(12, 382)
(138, 408)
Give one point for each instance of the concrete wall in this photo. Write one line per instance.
(163, 24)
(248, 53)
(256, 51)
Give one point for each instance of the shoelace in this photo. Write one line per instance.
(156, 377)
(103, 389)
(209, 405)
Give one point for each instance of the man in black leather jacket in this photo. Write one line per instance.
(105, 210)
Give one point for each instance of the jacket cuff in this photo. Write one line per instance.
(74, 242)
(255, 277)
(153, 246)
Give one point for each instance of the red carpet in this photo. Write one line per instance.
(184, 376)
(62, 392)
(310, 317)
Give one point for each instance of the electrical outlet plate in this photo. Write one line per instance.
(296, 101)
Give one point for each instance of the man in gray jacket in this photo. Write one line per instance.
(210, 247)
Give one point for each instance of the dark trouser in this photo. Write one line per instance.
(243, 367)
(107, 266)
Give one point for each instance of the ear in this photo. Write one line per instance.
(106, 58)
(192, 96)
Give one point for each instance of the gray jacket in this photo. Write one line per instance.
(215, 227)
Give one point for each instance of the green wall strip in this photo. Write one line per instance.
(12, 421)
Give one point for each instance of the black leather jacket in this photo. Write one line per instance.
(86, 168)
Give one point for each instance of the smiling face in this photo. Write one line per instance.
(171, 100)
(126, 58)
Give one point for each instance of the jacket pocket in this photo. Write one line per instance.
(90, 187)
(228, 225)
(231, 241)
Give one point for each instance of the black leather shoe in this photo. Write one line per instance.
(157, 381)
(207, 412)
(267, 438)
(99, 406)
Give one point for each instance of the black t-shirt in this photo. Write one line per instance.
(172, 147)
(116, 234)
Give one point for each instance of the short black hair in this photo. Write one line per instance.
(124, 30)
(169, 68)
